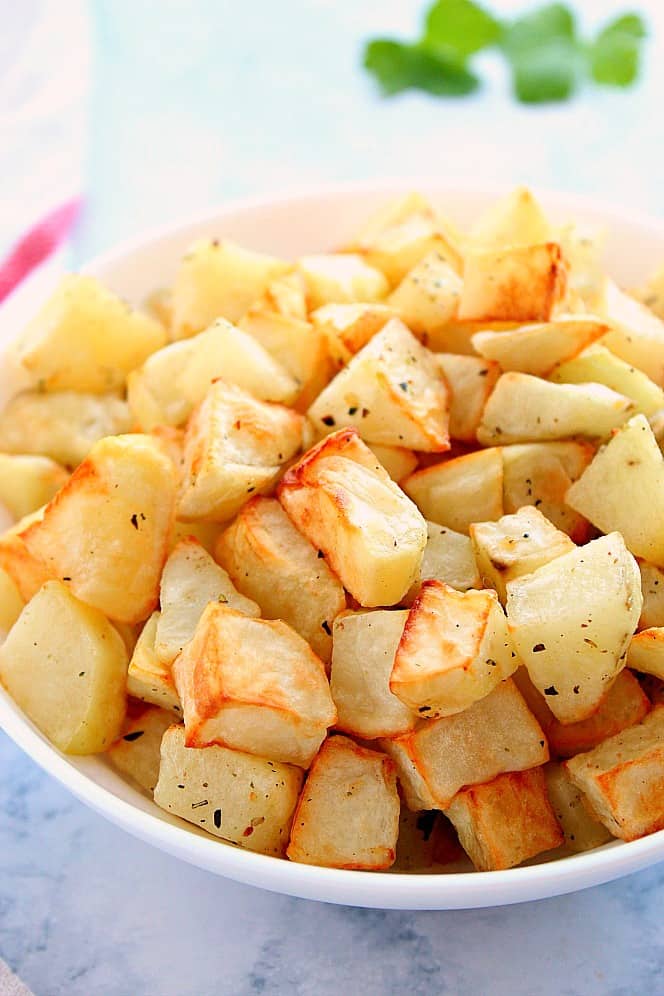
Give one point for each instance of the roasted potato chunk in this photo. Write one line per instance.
(428, 296)
(581, 830)
(599, 365)
(448, 557)
(27, 572)
(470, 380)
(652, 589)
(349, 327)
(637, 335)
(137, 752)
(11, 603)
(460, 491)
(514, 220)
(398, 463)
(583, 248)
(348, 812)
(517, 284)
(148, 678)
(28, 482)
(646, 652)
(340, 277)
(539, 349)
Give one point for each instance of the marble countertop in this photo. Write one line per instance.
(192, 104)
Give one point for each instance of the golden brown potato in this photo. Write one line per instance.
(637, 335)
(238, 797)
(460, 491)
(581, 830)
(147, 678)
(515, 220)
(646, 652)
(454, 650)
(345, 503)
(505, 821)
(348, 813)
(599, 365)
(517, 284)
(254, 685)
(539, 349)
(285, 295)
(65, 667)
(398, 463)
(27, 572)
(11, 603)
(137, 752)
(107, 530)
(340, 277)
(272, 563)
(652, 589)
(428, 296)
(448, 557)
(349, 327)
(470, 380)
(623, 778)
(28, 482)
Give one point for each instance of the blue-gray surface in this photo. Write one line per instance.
(194, 103)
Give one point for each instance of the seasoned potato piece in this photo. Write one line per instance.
(28, 482)
(340, 277)
(514, 220)
(349, 327)
(62, 426)
(538, 349)
(65, 666)
(652, 589)
(517, 284)
(272, 563)
(148, 679)
(428, 296)
(254, 685)
(505, 821)
(27, 572)
(397, 462)
(637, 335)
(362, 659)
(107, 530)
(496, 734)
(11, 603)
(238, 797)
(137, 752)
(470, 380)
(219, 280)
(207, 534)
(574, 644)
(86, 339)
(623, 489)
(285, 295)
(460, 491)
(391, 391)
(515, 545)
(456, 338)
(190, 580)
(234, 446)
(623, 778)
(581, 830)
(646, 652)
(583, 248)
(525, 409)
(599, 365)
(346, 505)
(455, 648)
(448, 557)
(348, 813)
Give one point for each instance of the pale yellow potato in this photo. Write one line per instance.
(65, 666)
(460, 491)
(285, 295)
(574, 644)
(107, 530)
(348, 813)
(623, 489)
(441, 756)
(11, 603)
(28, 482)
(515, 545)
(599, 365)
(456, 338)
(363, 654)
(652, 589)
(515, 220)
(524, 409)
(428, 296)
(86, 339)
(27, 572)
(340, 277)
(398, 463)
(637, 334)
(583, 248)
(448, 556)
(148, 678)
(623, 778)
(391, 391)
(581, 830)
(651, 294)
(454, 650)
(159, 304)
(505, 821)
(348, 507)
(189, 582)
(254, 685)
(207, 534)
(137, 753)
(272, 563)
(219, 280)
(63, 426)
(235, 446)
(646, 652)
(540, 348)
(470, 380)
(517, 284)
(349, 327)
(235, 796)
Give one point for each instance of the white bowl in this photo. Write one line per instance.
(290, 225)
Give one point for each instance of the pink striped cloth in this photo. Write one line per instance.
(38, 243)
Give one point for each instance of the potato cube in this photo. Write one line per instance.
(27, 572)
(345, 503)
(599, 365)
(652, 589)
(234, 447)
(448, 557)
(428, 296)
(11, 603)
(285, 295)
(460, 491)
(107, 530)
(517, 284)
(65, 666)
(646, 652)
(470, 380)
(349, 327)
(574, 644)
(340, 277)
(28, 482)
(455, 649)
(137, 752)
(583, 248)
(348, 813)
(254, 685)
(515, 545)
(63, 426)
(272, 563)
(235, 796)
(207, 534)
(514, 220)
(623, 778)
(391, 391)
(581, 830)
(190, 581)
(505, 821)
(398, 463)
(623, 489)
(362, 659)
(540, 348)
(86, 339)
(147, 678)
(637, 335)
(525, 409)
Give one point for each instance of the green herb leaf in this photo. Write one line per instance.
(460, 25)
(552, 22)
(615, 53)
(626, 24)
(399, 66)
(547, 73)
